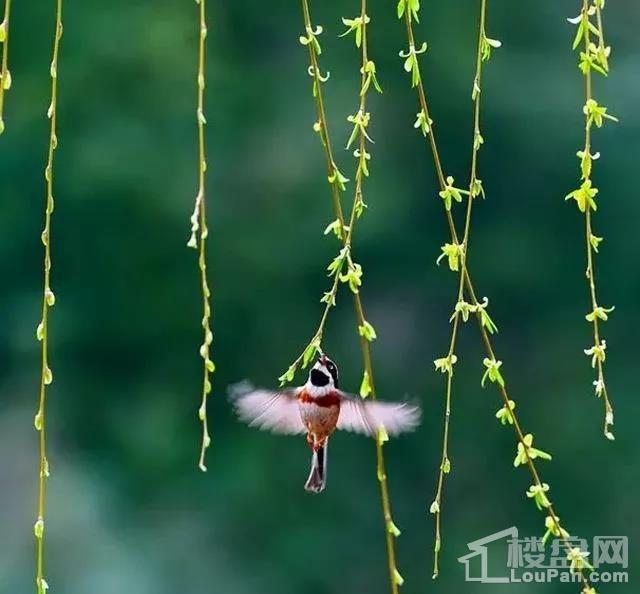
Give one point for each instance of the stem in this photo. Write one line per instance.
(444, 460)
(4, 73)
(198, 239)
(591, 274)
(469, 285)
(444, 463)
(48, 301)
(346, 242)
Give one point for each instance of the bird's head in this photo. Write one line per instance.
(324, 373)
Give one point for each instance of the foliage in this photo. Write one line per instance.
(458, 253)
(5, 73)
(594, 57)
(48, 301)
(198, 239)
(345, 269)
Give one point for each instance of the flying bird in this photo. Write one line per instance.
(317, 409)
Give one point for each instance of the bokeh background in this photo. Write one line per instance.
(128, 511)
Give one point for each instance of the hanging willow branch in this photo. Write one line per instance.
(343, 268)
(198, 239)
(457, 254)
(48, 300)
(5, 74)
(594, 57)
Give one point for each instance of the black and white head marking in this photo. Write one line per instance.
(332, 368)
(324, 374)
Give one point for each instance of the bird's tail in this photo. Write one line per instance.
(318, 475)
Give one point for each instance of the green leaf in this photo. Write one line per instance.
(584, 196)
(367, 331)
(505, 415)
(454, 253)
(445, 364)
(355, 25)
(450, 193)
(393, 529)
(487, 322)
(365, 386)
(492, 372)
(288, 376)
(595, 242)
(539, 495)
(601, 313)
(423, 122)
(310, 352)
(38, 528)
(579, 32)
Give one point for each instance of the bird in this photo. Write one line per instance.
(317, 409)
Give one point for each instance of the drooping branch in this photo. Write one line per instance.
(199, 234)
(48, 301)
(457, 254)
(343, 268)
(594, 57)
(5, 74)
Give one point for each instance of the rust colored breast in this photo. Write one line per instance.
(319, 414)
(326, 401)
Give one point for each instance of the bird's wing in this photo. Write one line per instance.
(270, 411)
(368, 416)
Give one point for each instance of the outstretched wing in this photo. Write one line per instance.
(368, 416)
(270, 411)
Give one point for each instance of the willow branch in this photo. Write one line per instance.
(48, 301)
(198, 239)
(344, 231)
(594, 56)
(5, 74)
(526, 453)
(462, 309)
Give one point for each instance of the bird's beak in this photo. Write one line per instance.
(323, 359)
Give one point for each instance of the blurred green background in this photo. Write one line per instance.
(128, 511)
